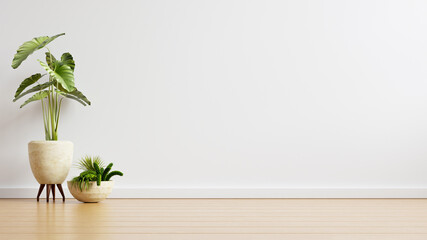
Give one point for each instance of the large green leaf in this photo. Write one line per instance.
(61, 73)
(29, 47)
(73, 97)
(36, 97)
(27, 82)
(76, 93)
(80, 96)
(34, 89)
(50, 59)
(67, 59)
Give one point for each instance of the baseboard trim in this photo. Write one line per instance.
(239, 193)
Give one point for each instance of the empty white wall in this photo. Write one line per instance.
(230, 94)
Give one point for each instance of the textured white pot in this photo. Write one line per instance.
(50, 160)
(94, 194)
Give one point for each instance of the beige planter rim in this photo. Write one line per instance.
(94, 194)
(49, 141)
(109, 183)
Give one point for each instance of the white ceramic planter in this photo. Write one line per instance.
(50, 160)
(94, 194)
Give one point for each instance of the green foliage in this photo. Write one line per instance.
(68, 60)
(35, 97)
(98, 179)
(93, 170)
(79, 96)
(27, 82)
(27, 48)
(83, 180)
(60, 82)
(113, 173)
(62, 73)
(36, 88)
(86, 163)
(50, 59)
(95, 165)
(107, 170)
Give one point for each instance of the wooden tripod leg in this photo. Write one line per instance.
(53, 191)
(62, 192)
(40, 191)
(47, 192)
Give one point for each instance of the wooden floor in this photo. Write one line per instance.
(219, 219)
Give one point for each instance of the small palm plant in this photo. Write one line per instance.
(60, 82)
(93, 170)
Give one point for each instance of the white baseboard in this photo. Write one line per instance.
(238, 193)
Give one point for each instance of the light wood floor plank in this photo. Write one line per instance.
(215, 219)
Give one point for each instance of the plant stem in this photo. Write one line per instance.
(51, 108)
(57, 117)
(46, 132)
(52, 115)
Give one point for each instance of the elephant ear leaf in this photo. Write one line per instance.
(27, 82)
(76, 93)
(50, 59)
(72, 97)
(34, 89)
(27, 48)
(62, 73)
(67, 59)
(35, 97)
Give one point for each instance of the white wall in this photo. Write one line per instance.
(230, 94)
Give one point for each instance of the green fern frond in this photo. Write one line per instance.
(82, 174)
(97, 160)
(88, 162)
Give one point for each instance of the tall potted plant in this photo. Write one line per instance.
(50, 159)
